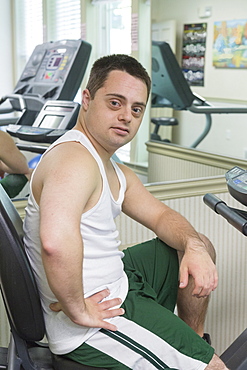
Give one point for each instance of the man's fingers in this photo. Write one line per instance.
(109, 326)
(184, 278)
(111, 313)
(204, 288)
(56, 307)
(106, 305)
(114, 312)
(98, 297)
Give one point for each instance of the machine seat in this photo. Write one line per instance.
(22, 302)
(162, 121)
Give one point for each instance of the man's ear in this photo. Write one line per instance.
(86, 98)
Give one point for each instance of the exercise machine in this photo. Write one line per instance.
(55, 118)
(162, 121)
(235, 356)
(171, 90)
(54, 71)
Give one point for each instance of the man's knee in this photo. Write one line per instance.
(216, 364)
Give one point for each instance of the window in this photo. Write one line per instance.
(114, 27)
(63, 22)
(120, 27)
(37, 21)
(63, 19)
(28, 30)
(114, 37)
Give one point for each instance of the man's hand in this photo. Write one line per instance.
(197, 262)
(96, 311)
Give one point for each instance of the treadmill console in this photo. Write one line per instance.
(55, 118)
(236, 180)
(53, 71)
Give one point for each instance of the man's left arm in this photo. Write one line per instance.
(172, 228)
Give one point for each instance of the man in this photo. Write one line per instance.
(85, 282)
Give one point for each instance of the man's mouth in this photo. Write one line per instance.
(121, 130)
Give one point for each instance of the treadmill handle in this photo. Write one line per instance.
(32, 148)
(220, 207)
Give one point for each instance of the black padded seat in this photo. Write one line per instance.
(61, 363)
(22, 302)
(161, 121)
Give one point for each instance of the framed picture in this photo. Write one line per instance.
(230, 44)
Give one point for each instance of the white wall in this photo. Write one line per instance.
(6, 66)
(228, 132)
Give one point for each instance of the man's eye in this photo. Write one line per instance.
(115, 103)
(137, 110)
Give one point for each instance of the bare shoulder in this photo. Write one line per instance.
(129, 174)
(69, 168)
(68, 157)
(134, 188)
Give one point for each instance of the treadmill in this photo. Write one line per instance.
(170, 89)
(54, 71)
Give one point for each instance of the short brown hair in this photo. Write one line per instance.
(120, 62)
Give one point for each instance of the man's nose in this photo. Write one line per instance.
(125, 114)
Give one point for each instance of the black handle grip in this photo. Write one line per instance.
(230, 214)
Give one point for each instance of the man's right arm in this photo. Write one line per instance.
(68, 186)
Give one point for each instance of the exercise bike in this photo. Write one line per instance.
(235, 356)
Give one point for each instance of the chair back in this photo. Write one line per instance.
(17, 283)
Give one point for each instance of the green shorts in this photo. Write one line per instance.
(150, 335)
(13, 184)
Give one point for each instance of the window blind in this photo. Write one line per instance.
(63, 19)
(28, 17)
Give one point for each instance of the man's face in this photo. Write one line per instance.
(113, 117)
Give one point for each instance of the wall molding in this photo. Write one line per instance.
(138, 168)
(20, 205)
(187, 188)
(194, 155)
(167, 190)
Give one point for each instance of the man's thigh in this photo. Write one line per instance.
(148, 337)
(158, 266)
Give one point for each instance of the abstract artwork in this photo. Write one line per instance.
(230, 44)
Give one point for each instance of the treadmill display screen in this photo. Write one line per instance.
(58, 109)
(54, 61)
(241, 181)
(51, 121)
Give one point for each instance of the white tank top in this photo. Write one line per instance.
(102, 264)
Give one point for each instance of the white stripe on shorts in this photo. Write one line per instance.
(162, 354)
